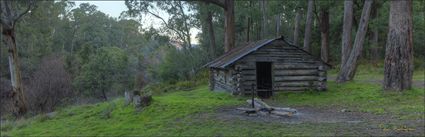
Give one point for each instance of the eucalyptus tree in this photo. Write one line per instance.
(346, 30)
(297, 24)
(308, 26)
(229, 25)
(398, 69)
(11, 12)
(348, 68)
(323, 19)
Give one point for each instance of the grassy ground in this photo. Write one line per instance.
(367, 72)
(194, 113)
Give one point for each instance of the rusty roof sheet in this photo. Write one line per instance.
(237, 53)
(241, 51)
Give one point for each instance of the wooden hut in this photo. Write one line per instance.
(267, 66)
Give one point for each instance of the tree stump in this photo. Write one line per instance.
(137, 101)
(146, 100)
(128, 98)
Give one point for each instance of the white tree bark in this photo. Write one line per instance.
(308, 26)
(348, 69)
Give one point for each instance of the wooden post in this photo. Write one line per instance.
(322, 78)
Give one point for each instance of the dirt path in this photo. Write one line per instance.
(353, 123)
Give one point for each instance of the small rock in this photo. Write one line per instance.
(137, 101)
(345, 110)
(128, 98)
(253, 115)
(51, 114)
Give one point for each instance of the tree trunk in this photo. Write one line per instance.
(211, 34)
(348, 69)
(263, 19)
(374, 49)
(248, 29)
(324, 32)
(346, 31)
(297, 26)
(398, 68)
(9, 39)
(308, 26)
(278, 25)
(229, 27)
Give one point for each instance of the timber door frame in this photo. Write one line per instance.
(271, 77)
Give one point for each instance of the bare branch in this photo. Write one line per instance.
(167, 25)
(220, 3)
(31, 3)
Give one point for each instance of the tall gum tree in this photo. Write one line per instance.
(324, 33)
(297, 25)
(308, 25)
(11, 12)
(229, 21)
(348, 68)
(346, 30)
(398, 67)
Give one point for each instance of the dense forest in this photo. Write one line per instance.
(66, 53)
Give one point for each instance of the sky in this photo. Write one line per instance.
(114, 9)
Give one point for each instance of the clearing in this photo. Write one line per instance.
(354, 108)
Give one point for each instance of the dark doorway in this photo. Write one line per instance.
(264, 79)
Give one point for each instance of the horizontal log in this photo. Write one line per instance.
(263, 104)
(292, 88)
(296, 72)
(249, 77)
(296, 78)
(281, 113)
(248, 110)
(295, 83)
(295, 66)
(285, 109)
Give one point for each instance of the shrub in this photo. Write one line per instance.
(105, 70)
(50, 85)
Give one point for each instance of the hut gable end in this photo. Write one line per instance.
(267, 66)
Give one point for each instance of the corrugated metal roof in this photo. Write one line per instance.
(241, 51)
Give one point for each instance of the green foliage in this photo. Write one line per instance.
(195, 112)
(164, 87)
(361, 97)
(180, 64)
(104, 69)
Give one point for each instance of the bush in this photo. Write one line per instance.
(50, 85)
(104, 71)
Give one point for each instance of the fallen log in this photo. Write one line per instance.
(281, 113)
(262, 108)
(263, 104)
(248, 110)
(260, 104)
(285, 109)
(256, 104)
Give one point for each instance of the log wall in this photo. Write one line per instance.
(292, 70)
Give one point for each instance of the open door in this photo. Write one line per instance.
(264, 79)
